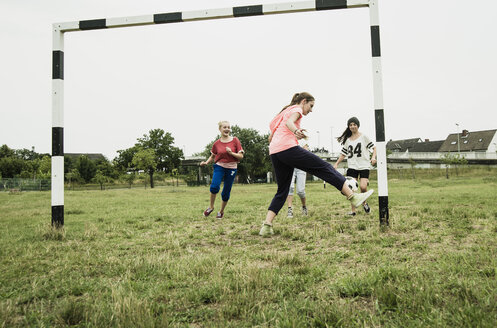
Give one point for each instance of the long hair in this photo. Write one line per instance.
(297, 98)
(347, 133)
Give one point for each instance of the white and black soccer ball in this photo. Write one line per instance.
(352, 183)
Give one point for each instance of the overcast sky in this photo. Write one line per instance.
(439, 63)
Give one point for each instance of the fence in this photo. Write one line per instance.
(25, 184)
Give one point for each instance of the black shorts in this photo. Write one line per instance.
(355, 173)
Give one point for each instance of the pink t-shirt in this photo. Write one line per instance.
(283, 138)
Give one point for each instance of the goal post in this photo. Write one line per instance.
(59, 29)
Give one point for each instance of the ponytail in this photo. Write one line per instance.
(297, 98)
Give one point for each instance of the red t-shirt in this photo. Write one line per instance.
(219, 149)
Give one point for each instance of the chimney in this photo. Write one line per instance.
(427, 140)
(465, 133)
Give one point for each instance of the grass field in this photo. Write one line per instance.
(147, 258)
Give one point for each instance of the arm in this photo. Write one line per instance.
(270, 137)
(210, 159)
(238, 156)
(342, 156)
(373, 157)
(290, 124)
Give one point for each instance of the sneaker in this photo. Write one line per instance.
(208, 211)
(304, 211)
(290, 213)
(367, 209)
(219, 215)
(266, 230)
(351, 214)
(358, 199)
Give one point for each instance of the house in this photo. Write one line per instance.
(475, 141)
(478, 147)
(414, 145)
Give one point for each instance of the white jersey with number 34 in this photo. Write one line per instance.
(358, 152)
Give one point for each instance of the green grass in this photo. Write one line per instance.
(147, 258)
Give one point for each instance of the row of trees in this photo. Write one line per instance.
(153, 153)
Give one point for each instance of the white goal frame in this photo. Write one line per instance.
(59, 29)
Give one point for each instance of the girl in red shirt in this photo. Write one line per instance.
(226, 153)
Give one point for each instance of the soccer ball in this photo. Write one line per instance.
(352, 183)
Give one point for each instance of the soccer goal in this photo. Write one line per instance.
(59, 29)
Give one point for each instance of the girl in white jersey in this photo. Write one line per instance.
(357, 148)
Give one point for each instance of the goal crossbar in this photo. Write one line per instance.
(59, 29)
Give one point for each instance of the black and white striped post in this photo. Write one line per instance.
(58, 128)
(378, 114)
(186, 16)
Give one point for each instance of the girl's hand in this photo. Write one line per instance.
(373, 161)
(228, 150)
(299, 133)
(203, 163)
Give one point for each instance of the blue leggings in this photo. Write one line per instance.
(297, 157)
(221, 173)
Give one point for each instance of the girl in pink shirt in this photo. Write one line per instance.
(226, 153)
(286, 155)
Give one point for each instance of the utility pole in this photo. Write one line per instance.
(331, 128)
(458, 146)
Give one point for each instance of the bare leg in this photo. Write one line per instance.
(223, 206)
(270, 217)
(213, 199)
(290, 200)
(364, 185)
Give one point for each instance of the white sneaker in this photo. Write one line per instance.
(358, 199)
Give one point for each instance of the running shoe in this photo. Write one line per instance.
(358, 199)
(208, 211)
(304, 211)
(266, 230)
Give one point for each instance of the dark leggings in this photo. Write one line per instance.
(297, 157)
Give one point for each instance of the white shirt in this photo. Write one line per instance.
(358, 152)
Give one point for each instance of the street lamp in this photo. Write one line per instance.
(458, 147)
(331, 128)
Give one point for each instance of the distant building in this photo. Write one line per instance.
(477, 141)
(478, 147)
(415, 145)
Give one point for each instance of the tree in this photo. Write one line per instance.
(86, 168)
(5, 151)
(145, 159)
(73, 176)
(45, 168)
(100, 178)
(106, 168)
(11, 167)
(167, 156)
(27, 154)
(449, 159)
(123, 162)
(129, 178)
